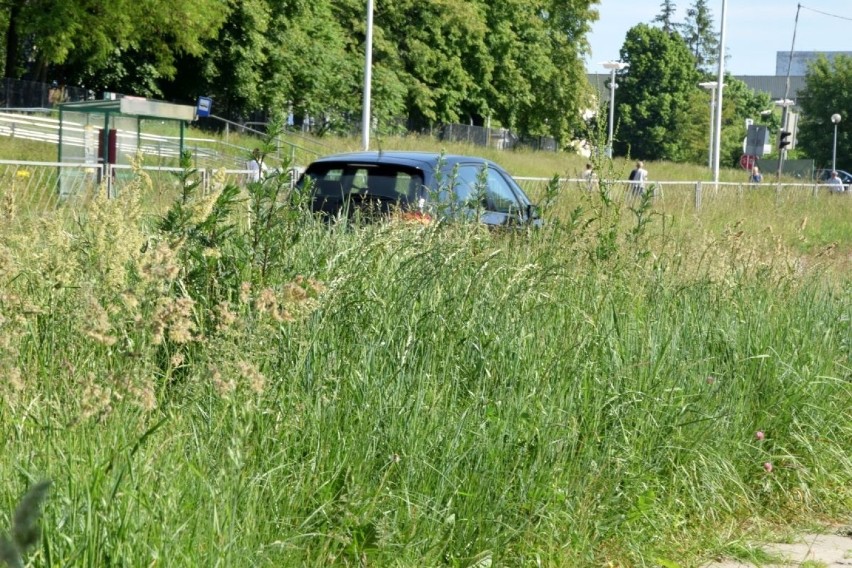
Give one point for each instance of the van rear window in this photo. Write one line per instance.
(385, 181)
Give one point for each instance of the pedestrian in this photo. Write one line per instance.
(755, 176)
(637, 179)
(589, 176)
(256, 167)
(836, 183)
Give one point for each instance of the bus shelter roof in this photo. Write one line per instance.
(136, 107)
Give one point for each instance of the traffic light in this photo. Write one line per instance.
(784, 139)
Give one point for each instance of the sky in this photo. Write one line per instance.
(755, 29)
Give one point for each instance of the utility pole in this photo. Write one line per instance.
(782, 141)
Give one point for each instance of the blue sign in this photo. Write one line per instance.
(204, 105)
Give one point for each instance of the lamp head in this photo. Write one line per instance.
(835, 118)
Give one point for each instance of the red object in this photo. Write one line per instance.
(747, 161)
(112, 146)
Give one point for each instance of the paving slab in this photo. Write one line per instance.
(831, 550)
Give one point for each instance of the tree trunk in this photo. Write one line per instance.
(13, 40)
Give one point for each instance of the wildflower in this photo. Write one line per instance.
(768, 467)
(223, 387)
(13, 378)
(257, 381)
(24, 174)
(226, 317)
(211, 252)
(95, 400)
(8, 207)
(759, 435)
(176, 316)
(177, 360)
(202, 208)
(267, 303)
(131, 302)
(294, 292)
(97, 325)
(180, 330)
(245, 292)
(160, 264)
(143, 395)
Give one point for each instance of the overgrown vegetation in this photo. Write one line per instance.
(231, 382)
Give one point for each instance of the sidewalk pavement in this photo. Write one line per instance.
(831, 550)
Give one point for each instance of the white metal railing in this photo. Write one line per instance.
(39, 186)
(698, 191)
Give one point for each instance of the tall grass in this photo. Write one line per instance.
(205, 391)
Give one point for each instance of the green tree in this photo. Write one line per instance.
(700, 35)
(739, 102)
(517, 63)
(828, 91)
(539, 85)
(656, 96)
(316, 58)
(442, 58)
(666, 15)
(79, 38)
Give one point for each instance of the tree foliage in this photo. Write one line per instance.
(114, 40)
(662, 111)
(700, 35)
(516, 63)
(739, 102)
(828, 90)
(656, 96)
(666, 16)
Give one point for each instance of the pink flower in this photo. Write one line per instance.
(759, 435)
(768, 467)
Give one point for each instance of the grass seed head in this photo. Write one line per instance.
(256, 380)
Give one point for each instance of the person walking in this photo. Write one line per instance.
(589, 176)
(836, 183)
(755, 176)
(257, 169)
(637, 179)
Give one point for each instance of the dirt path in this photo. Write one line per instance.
(830, 550)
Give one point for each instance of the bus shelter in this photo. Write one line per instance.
(104, 133)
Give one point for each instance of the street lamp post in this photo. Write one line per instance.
(366, 114)
(835, 118)
(717, 141)
(711, 86)
(613, 66)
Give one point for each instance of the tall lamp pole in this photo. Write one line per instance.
(717, 146)
(711, 86)
(613, 66)
(835, 118)
(366, 119)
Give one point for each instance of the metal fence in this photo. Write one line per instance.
(37, 187)
(33, 188)
(500, 138)
(696, 195)
(15, 93)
